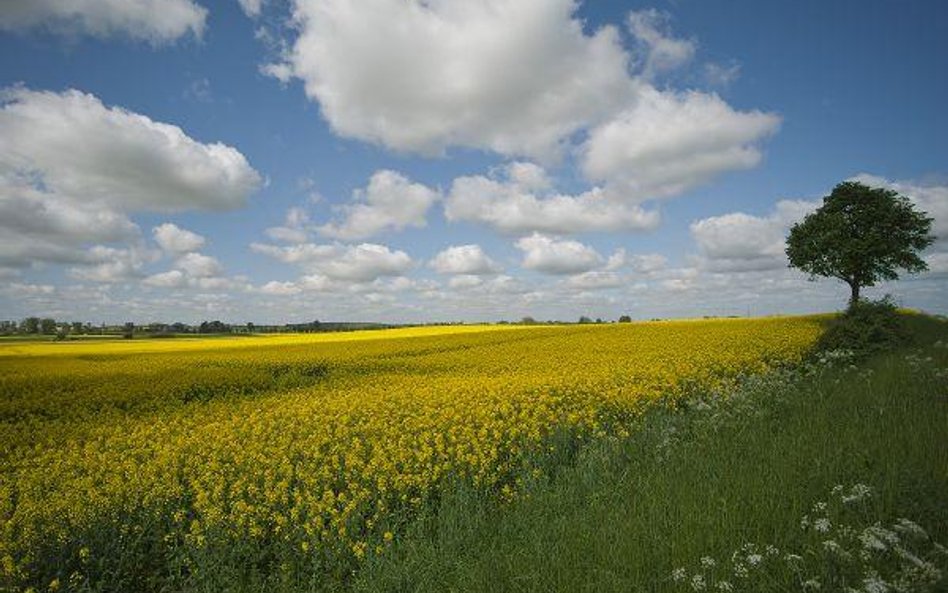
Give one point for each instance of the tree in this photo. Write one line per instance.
(625, 319)
(30, 325)
(860, 235)
(47, 326)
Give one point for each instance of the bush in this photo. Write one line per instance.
(865, 328)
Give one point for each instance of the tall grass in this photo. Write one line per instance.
(701, 482)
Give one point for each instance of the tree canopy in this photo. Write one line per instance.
(860, 235)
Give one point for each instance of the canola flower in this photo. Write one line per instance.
(314, 449)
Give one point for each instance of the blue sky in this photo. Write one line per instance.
(394, 160)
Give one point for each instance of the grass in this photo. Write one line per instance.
(700, 482)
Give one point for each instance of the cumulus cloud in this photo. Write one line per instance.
(353, 263)
(198, 265)
(295, 228)
(595, 280)
(389, 203)
(110, 264)
(521, 78)
(512, 76)
(667, 143)
(662, 51)
(280, 288)
(251, 8)
(552, 256)
(23, 289)
(464, 259)
(155, 21)
(38, 226)
(742, 242)
(169, 279)
(127, 160)
(515, 203)
(56, 197)
(175, 240)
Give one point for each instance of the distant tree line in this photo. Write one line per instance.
(63, 329)
(45, 326)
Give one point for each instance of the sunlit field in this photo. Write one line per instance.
(148, 463)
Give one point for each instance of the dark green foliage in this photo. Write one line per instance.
(860, 235)
(865, 328)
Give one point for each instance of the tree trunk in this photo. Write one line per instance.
(854, 296)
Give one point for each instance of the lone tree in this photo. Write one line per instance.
(860, 235)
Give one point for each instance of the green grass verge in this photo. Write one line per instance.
(700, 483)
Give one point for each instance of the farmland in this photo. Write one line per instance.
(138, 464)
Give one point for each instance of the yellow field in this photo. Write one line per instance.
(315, 446)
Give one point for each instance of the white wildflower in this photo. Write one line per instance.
(754, 559)
(697, 582)
(725, 586)
(910, 528)
(822, 525)
(857, 493)
(679, 574)
(874, 584)
(740, 571)
(708, 562)
(834, 548)
(870, 542)
(812, 585)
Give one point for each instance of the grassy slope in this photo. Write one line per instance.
(686, 486)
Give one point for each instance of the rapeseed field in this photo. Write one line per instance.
(145, 465)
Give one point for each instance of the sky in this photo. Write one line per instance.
(282, 161)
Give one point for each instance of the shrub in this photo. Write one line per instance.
(865, 328)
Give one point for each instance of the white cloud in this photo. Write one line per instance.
(197, 265)
(667, 143)
(251, 8)
(127, 160)
(648, 263)
(280, 288)
(173, 239)
(464, 259)
(553, 256)
(512, 76)
(37, 226)
(937, 263)
(519, 78)
(22, 289)
(295, 228)
(155, 21)
(389, 203)
(278, 70)
(662, 51)
(352, 263)
(510, 205)
(169, 279)
(742, 242)
(594, 280)
(109, 264)
(463, 281)
(719, 75)
(55, 199)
